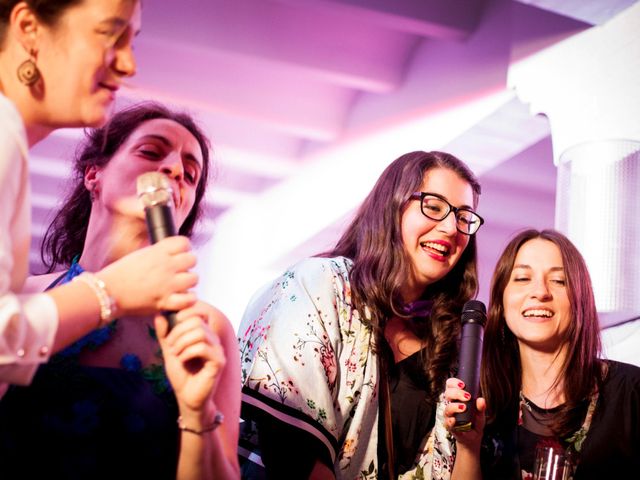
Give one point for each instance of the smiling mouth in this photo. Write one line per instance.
(107, 86)
(436, 248)
(537, 313)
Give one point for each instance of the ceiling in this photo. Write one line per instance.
(306, 101)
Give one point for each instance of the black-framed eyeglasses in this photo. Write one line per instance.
(436, 207)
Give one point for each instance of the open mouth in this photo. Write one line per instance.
(537, 313)
(436, 248)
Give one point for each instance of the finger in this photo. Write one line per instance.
(453, 394)
(198, 310)
(181, 281)
(187, 324)
(178, 301)
(162, 327)
(454, 383)
(481, 404)
(453, 408)
(213, 358)
(183, 261)
(189, 338)
(175, 244)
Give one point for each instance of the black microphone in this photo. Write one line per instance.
(474, 317)
(155, 192)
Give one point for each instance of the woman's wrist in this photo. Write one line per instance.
(200, 421)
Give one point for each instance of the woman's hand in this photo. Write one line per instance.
(152, 279)
(457, 399)
(193, 357)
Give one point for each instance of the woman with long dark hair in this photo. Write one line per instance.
(132, 399)
(345, 355)
(542, 377)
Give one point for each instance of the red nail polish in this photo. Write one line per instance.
(460, 385)
(467, 395)
(461, 407)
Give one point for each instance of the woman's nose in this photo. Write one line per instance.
(172, 167)
(448, 224)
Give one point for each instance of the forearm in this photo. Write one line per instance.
(205, 455)
(467, 465)
(78, 313)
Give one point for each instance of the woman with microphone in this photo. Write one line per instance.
(170, 398)
(61, 64)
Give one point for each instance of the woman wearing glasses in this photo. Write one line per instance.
(345, 355)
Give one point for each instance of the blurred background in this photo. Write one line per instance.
(307, 101)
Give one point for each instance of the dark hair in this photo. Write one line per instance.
(66, 234)
(47, 11)
(502, 370)
(373, 241)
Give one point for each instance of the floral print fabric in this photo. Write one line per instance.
(308, 360)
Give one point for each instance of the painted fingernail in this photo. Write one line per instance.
(467, 395)
(460, 385)
(461, 406)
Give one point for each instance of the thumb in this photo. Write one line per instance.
(162, 327)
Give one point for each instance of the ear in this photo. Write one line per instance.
(92, 176)
(25, 27)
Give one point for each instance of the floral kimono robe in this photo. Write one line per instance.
(308, 361)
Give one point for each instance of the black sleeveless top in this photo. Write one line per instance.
(412, 414)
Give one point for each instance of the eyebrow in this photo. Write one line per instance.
(119, 22)
(162, 139)
(528, 267)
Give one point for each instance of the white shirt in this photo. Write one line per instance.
(28, 323)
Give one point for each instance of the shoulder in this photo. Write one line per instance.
(622, 374)
(13, 138)
(322, 268)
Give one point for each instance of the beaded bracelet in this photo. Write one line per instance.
(107, 303)
(217, 421)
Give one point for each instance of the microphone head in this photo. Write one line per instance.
(154, 188)
(474, 311)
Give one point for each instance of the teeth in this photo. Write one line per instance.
(538, 313)
(435, 246)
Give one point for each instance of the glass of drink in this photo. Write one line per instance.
(552, 463)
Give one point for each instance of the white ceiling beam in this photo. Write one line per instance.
(443, 19)
(277, 97)
(331, 47)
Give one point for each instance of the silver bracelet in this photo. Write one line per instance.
(107, 303)
(217, 421)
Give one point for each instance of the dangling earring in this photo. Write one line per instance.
(28, 72)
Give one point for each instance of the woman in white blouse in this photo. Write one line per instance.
(61, 63)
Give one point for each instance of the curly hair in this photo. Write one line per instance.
(381, 264)
(65, 236)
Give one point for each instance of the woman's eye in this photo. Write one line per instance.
(191, 178)
(559, 281)
(150, 152)
(520, 279)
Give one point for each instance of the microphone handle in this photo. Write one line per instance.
(469, 371)
(160, 225)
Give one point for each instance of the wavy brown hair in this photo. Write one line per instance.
(66, 234)
(381, 264)
(502, 370)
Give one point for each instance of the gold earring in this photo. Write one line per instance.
(28, 72)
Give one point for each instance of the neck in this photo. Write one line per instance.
(540, 374)
(108, 240)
